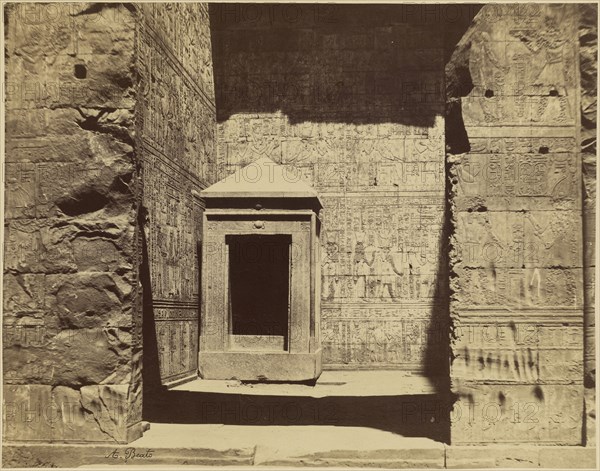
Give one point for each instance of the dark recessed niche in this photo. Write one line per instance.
(553, 92)
(544, 150)
(80, 71)
(259, 285)
(489, 93)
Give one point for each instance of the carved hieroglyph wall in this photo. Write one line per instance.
(517, 294)
(175, 117)
(351, 100)
(71, 259)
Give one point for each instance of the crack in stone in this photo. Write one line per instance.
(96, 419)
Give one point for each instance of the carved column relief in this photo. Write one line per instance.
(517, 304)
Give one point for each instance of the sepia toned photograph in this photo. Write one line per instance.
(317, 235)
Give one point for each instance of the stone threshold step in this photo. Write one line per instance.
(234, 445)
(330, 383)
(292, 446)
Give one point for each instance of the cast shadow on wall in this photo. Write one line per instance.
(354, 64)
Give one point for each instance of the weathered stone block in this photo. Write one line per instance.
(26, 412)
(34, 245)
(495, 329)
(506, 239)
(545, 348)
(491, 456)
(36, 351)
(92, 413)
(54, 246)
(518, 288)
(520, 181)
(24, 293)
(502, 413)
(518, 364)
(96, 255)
(521, 141)
(565, 458)
(516, 456)
(518, 111)
(79, 74)
(88, 300)
(108, 406)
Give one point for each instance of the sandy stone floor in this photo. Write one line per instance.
(298, 439)
(330, 383)
(295, 444)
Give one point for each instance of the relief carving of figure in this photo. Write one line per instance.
(385, 272)
(414, 281)
(377, 339)
(330, 286)
(361, 271)
(483, 61)
(552, 73)
(554, 237)
(547, 42)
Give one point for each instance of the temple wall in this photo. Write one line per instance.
(175, 119)
(71, 254)
(517, 297)
(351, 100)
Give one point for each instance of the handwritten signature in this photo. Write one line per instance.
(130, 454)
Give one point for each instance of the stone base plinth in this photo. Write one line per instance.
(249, 366)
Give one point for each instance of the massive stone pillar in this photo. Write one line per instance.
(71, 253)
(110, 123)
(516, 282)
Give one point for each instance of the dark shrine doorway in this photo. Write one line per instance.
(259, 291)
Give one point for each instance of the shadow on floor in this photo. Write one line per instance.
(423, 415)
